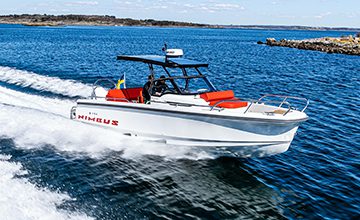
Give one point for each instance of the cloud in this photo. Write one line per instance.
(129, 5)
(180, 7)
(222, 6)
(352, 15)
(158, 7)
(207, 9)
(213, 7)
(82, 3)
(322, 15)
(287, 16)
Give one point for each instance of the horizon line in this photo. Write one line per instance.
(192, 22)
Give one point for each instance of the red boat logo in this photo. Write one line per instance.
(99, 120)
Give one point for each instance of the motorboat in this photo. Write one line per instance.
(180, 106)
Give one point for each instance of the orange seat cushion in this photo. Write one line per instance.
(235, 104)
(215, 97)
(220, 95)
(132, 93)
(115, 95)
(124, 95)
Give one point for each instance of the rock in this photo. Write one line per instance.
(344, 45)
(270, 40)
(260, 42)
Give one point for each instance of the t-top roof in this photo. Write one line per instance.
(160, 60)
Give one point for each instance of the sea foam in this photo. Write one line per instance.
(35, 121)
(44, 83)
(31, 128)
(20, 199)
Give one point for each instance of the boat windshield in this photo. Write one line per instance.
(186, 81)
(192, 85)
(186, 85)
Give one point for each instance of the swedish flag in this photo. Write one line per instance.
(120, 81)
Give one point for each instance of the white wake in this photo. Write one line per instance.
(20, 99)
(20, 199)
(31, 128)
(34, 121)
(44, 83)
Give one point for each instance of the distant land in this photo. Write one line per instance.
(344, 45)
(106, 20)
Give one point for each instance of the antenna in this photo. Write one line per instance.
(164, 49)
(172, 53)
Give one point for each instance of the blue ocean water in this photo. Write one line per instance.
(52, 165)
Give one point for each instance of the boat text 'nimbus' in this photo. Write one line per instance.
(99, 120)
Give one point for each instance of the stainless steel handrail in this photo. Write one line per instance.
(101, 80)
(95, 85)
(112, 99)
(285, 98)
(266, 102)
(252, 102)
(225, 100)
(228, 100)
(179, 104)
(117, 99)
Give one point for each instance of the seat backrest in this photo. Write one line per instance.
(132, 93)
(116, 95)
(141, 97)
(220, 95)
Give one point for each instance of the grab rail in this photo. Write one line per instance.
(95, 85)
(284, 101)
(251, 102)
(285, 98)
(222, 101)
(266, 102)
(117, 99)
(112, 99)
(101, 80)
(230, 100)
(179, 104)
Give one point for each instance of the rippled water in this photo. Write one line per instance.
(53, 167)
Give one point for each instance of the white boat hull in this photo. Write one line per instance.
(242, 137)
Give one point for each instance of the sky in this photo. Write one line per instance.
(330, 13)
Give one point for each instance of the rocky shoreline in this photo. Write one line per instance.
(343, 45)
(106, 20)
(88, 20)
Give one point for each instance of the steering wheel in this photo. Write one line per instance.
(169, 91)
(202, 90)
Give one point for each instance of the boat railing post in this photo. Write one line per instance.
(226, 100)
(283, 102)
(287, 111)
(252, 102)
(307, 104)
